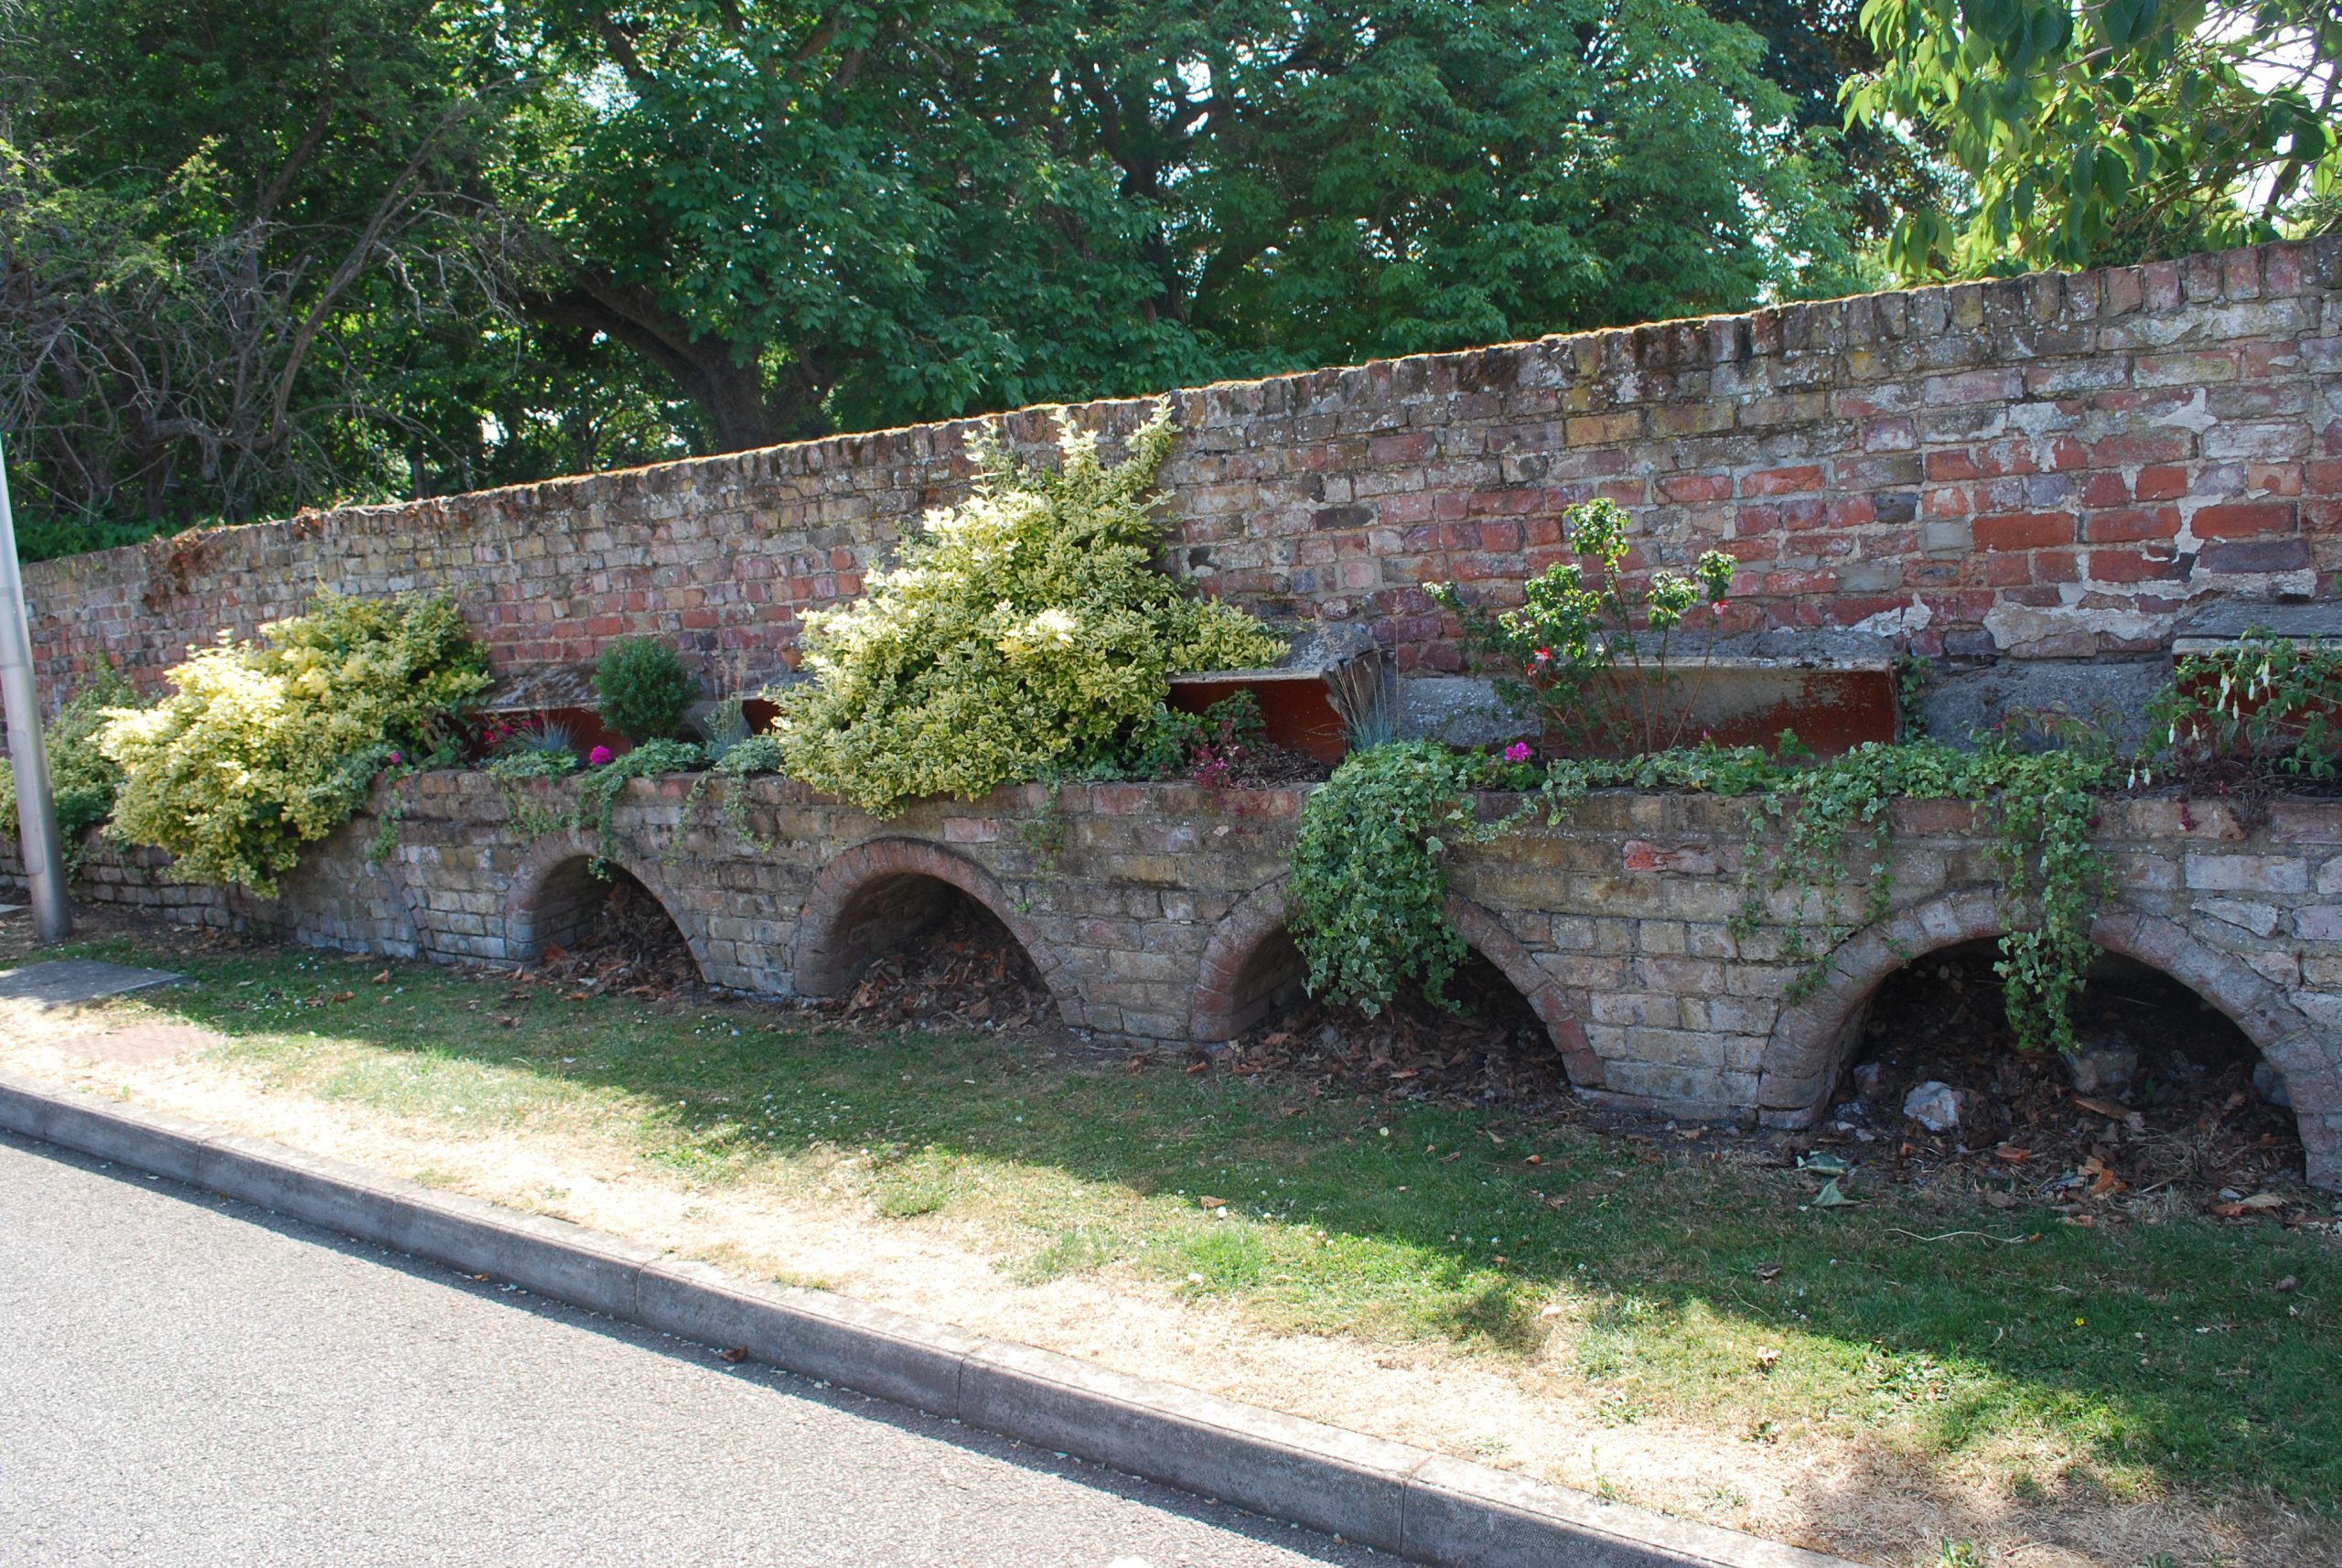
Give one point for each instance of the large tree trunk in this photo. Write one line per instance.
(739, 413)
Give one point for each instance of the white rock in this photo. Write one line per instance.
(1933, 1105)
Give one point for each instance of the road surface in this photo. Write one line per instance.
(189, 1381)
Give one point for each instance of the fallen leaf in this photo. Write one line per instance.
(2289, 1283)
(383, 977)
(2259, 1203)
(1766, 1271)
(1211, 1202)
(1202, 1066)
(2012, 1153)
(1766, 1357)
(734, 1355)
(2106, 1108)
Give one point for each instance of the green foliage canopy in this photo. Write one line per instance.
(2115, 130)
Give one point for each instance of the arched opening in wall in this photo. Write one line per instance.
(1490, 1048)
(605, 933)
(913, 951)
(2163, 1094)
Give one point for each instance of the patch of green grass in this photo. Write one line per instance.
(2153, 1354)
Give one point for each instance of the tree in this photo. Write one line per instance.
(198, 214)
(865, 214)
(2108, 130)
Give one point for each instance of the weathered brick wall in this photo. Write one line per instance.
(1161, 918)
(2048, 467)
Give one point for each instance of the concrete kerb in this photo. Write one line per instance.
(1389, 1496)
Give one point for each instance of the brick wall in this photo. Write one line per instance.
(2048, 467)
(1162, 919)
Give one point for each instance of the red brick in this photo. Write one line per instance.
(2133, 566)
(1693, 488)
(2130, 524)
(1799, 480)
(2024, 530)
(2243, 519)
(2105, 489)
(2160, 483)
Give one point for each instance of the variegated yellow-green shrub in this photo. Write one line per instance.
(263, 747)
(1023, 632)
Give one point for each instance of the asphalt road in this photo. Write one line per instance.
(186, 1380)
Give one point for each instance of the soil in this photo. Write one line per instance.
(1489, 1048)
(2188, 1124)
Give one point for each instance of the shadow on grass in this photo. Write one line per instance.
(1703, 1282)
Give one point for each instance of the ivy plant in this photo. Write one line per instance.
(1367, 900)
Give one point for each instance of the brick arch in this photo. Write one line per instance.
(537, 880)
(834, 937)
(1219, 1011)
(1811, 1041)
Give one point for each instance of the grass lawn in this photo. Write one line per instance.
(1686, 1280)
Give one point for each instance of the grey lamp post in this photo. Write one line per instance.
(36, 807)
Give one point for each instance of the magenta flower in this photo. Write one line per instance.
(396, 758)
(1517, 752)
(600, 755)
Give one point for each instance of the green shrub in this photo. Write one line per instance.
(265, 746)
(81, 779)
(644, 689)
(1021, 634)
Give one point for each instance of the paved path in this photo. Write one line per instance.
(185, 1380)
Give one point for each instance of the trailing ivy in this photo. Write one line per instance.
(1368, 896)
(1367, 902)
(599, 789)
(2038, 790)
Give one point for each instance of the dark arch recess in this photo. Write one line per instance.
(877, 895)
(554, 898)
(1812, 1041)
(1252, 967)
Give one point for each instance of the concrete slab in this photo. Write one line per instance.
(69, 982)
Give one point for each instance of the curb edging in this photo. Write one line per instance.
(1369, 1490)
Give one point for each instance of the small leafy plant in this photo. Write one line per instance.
(1588, 655)
(644, 689)
(2266, 697)
(81, 779)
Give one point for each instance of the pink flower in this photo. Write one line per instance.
(396, 758)
(1517, 752)
(600, 755)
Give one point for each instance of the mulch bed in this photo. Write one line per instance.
(2190, 1127)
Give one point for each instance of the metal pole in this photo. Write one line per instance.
(36, 807)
